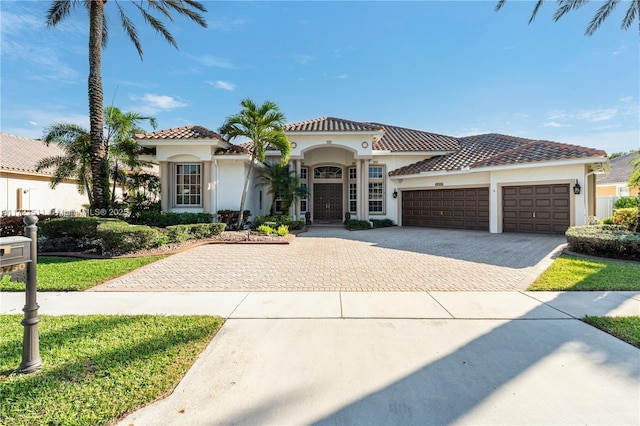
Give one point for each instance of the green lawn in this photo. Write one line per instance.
(97, 368)
(72, 274)
(570, 273)
(624, 328)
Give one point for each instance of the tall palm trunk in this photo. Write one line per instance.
(244, 194)
(99, 176)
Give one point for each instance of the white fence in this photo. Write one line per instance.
(605, 206)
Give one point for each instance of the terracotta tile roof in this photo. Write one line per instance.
(331, 124)
(397, 139)
(621, 169)
(235, 149)
(186, 132)
(22, 154)
(495, 149)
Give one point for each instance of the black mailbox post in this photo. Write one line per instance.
(18, 258)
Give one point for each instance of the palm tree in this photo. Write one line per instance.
(75, 141)
(285, 184)
(264, 126)
(98, 35)
(122, 149)
(634, 181)
(565, 6)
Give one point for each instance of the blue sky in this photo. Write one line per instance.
(450, 67)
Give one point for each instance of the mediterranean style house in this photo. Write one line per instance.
(489, 182)
(23, 189)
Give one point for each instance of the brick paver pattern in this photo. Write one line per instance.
(334, 259)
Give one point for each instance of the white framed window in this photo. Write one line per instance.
(304, 205)
(188, 185)
(376, 189)
(353, 200)
(352, 173)
(303, 173)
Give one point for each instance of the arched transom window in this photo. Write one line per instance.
(327, 172)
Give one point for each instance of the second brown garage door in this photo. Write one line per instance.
(536, 208)
(463, 208)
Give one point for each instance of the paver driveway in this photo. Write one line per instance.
(334, 259)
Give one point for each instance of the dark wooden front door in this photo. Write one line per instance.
(327, 201)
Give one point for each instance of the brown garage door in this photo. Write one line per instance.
(463, 208)
(536, 208)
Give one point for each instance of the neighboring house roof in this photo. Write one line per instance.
(495, 149)
(186, 132)
(331, 124)
(621, 169)
(22, 154)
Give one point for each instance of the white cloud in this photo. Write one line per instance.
(304, 59)
(211, 61)
(557, 115)
(225, 23)
(152, 103)
(597, 114)
(621, 49)
(224, 85)
(554, 124)
(626, 99)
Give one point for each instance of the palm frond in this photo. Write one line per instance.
(499, 5)
(602, 14)
(59, 10)
(130, 29)
(535, 11)
(632, 12)
(157, 25)
(565, 6)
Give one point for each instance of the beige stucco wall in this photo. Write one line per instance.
(37, 194)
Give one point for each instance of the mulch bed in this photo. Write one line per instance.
(226, 237)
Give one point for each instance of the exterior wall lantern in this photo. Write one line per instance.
(395, 193)
(577, 188)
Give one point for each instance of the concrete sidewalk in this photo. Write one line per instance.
(413, 305)
(389, 358)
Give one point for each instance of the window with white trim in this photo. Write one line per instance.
(376, 189)
(353, 190)
(188, 185)
(327, 172)
(304, 178)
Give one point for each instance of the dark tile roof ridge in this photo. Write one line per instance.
(621, 168)
(199, 132)
(309, 125)
(410, 129)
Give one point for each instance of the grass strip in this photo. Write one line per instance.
(570, 273)
(97, 368)
(72, 274)
(624, 328)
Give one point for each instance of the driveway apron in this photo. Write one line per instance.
(334, 259)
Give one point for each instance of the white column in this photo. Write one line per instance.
(165, 182)
(365, 166)
(359, 191)
(296, 206)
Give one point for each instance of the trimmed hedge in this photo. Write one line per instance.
(611, 241)
(122, 237)
(626, 202)
(381, 223)
(181, 233)
(74, 227)
(356, 225)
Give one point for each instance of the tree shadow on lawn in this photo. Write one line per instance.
(94, 364)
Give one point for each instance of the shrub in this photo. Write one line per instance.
(74, 227)
(230, 217)
(604, 240)
(282, 230)
(13, 226)
(354, 224)
(197, 231)
(121, 237)
(627, 217)
(165, 219)
(266, 229)
(626, 202)
(276, 221)
(607, 221)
